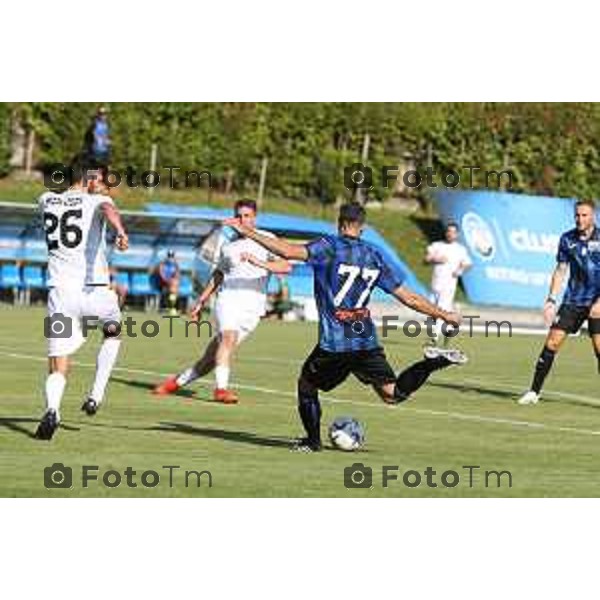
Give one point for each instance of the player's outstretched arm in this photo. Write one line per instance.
(112, 215)
(422, 305)
(556, 282)
(463, 267)
(211, 287)
(278, 266)
(273, 244)
(432, 258)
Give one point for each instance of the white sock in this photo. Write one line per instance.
(186, 376)
(437, 330)
(105, 361)
(222, 377)
(55, 388)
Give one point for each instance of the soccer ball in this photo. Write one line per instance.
(347, 434)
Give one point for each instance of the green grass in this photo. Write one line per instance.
(464, 416)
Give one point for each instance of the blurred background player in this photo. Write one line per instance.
(240, 278)
(578, 253)
(346, 270)
(78, 282)
(167, 280)
(450, 260)
(279, 302)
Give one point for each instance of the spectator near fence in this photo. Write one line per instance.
(97, 144)
(167, 276)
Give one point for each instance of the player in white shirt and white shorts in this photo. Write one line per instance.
(450, 259)
(240, 278)
(74, 222)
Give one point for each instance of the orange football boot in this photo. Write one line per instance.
(225, 396)
(168, 386)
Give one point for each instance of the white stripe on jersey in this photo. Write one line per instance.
(75, 235)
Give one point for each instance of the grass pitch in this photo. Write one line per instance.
(464, 416)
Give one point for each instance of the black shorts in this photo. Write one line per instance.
(326, 370)
(571, 317)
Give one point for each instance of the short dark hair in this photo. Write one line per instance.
(353, 212)
(586, 202)
(452, 224)
(81, 165)
(245, 203)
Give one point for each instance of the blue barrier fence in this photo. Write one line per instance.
(161, 227)
(512, 239)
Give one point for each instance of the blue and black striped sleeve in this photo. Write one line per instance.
(320, 251)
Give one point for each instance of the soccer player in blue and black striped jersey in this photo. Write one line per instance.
(346, 270)
(579, 254)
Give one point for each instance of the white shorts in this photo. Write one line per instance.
(231, 316)
(66, 309)
(444, 299)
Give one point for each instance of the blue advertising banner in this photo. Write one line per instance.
(512, 240)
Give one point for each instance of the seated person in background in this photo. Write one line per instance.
(167, 279)
(279, 302)
(119, 289)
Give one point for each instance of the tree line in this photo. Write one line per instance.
(550, 148)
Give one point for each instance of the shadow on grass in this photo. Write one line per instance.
(15, 424)
(222, 434)
(145, 385)
(478, 389)
(484, 391)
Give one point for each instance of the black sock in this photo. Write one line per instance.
(310, 413)
(411, 379)
(542, 368)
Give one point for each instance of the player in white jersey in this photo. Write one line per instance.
(450, 259)
(78, 280)
(241, 280)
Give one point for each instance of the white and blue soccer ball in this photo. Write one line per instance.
(347, 434)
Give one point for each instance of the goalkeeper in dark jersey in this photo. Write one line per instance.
(346, 270)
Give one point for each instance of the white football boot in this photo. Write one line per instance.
(530, 397)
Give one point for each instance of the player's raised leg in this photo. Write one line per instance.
(411, 379)
(199, 369)
(105, 362)
(103, 302)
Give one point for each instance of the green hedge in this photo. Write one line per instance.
(551, 148)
